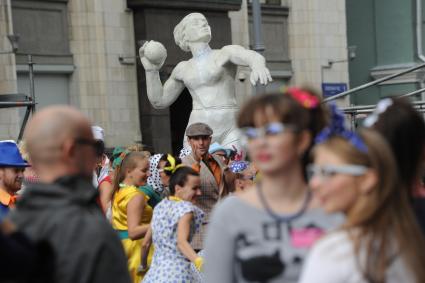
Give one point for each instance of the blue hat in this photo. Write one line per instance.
(10, 155)
(217, 147)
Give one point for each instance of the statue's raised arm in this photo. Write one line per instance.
(152, 55)
(244, 57)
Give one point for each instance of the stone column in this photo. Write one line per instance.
(105, 89)
(9, 118)
(317, 34)
(240, 36)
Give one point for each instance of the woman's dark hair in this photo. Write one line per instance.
(99, 148)
(179, 177)
(404, 129)
(289, 111)
(164, 157)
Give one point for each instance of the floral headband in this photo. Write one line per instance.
(306, 99)
(172, 168)
(337, 128)
(118, 161)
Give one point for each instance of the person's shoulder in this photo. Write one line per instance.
(131, 191)
(179, 69)
(326, 221)
(188, 160)
(231, 48)
(230, 207)
(181, 65)
(330, 260)
(97, 229)
(333, 243)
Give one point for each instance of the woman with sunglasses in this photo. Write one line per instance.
(264, 233)
(379, 242)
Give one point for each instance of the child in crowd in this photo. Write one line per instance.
(166, 167)
(380, 240)
(174, 222)
(245, 174)
(264, 233)
(131, 212)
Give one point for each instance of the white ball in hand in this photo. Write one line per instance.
(155, 52)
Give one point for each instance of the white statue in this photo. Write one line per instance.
(209, 76)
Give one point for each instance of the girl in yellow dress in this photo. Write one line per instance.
(131, 213)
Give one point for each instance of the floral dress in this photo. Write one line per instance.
(168, 263)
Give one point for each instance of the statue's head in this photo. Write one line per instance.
(192, 28)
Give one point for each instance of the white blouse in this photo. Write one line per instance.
(333, 260)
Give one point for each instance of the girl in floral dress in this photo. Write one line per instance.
(174, 222)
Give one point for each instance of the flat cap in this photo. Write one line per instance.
(198, 129)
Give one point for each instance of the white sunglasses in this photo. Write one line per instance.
(270, 129)
(327, 171)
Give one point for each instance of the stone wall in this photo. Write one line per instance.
(105, 89)
(9, 119)
(317, 34)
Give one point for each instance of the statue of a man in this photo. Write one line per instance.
(209, 76)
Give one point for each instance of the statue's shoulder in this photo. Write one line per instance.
(229, 49)
(179, 69)
(225, 54)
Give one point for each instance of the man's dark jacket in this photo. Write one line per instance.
(65, 215)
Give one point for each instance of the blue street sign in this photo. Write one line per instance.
(331, 89)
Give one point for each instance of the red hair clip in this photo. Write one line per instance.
(303, 97)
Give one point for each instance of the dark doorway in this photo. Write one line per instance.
(179, 116)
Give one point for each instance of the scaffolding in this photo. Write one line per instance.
(354, 111)
(22, 100)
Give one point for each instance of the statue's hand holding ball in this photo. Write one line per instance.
(152, 55)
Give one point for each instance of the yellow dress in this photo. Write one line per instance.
(119, 222)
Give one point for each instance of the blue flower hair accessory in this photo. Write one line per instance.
(238, 166)
(337, 128)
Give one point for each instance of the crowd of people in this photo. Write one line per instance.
(313, 201)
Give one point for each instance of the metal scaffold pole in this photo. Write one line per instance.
(258, 37)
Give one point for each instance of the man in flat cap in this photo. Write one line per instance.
(211, 171)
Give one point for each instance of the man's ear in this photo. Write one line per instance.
(68, 149)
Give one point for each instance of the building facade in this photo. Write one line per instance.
(389, 36)
(85, 54)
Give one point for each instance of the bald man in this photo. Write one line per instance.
(61, 210)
